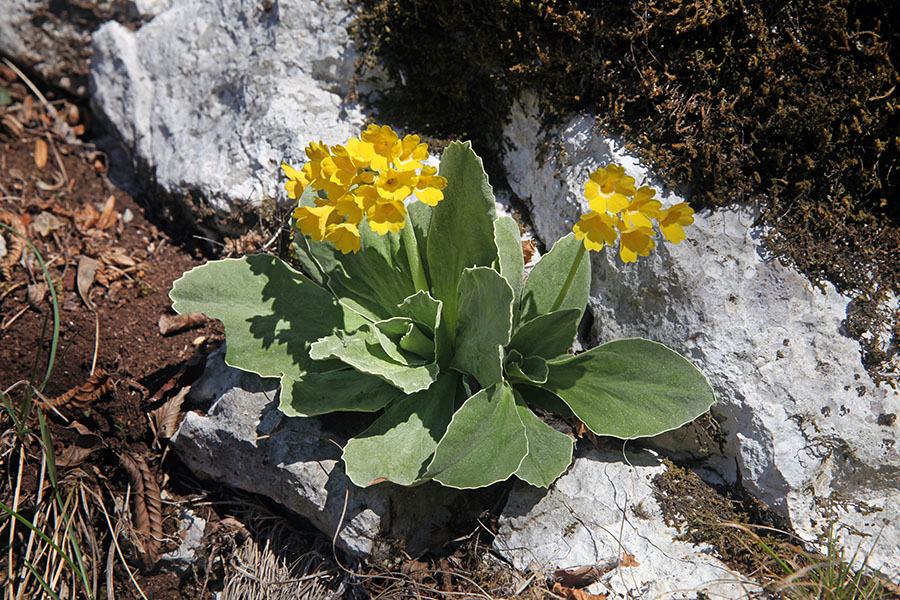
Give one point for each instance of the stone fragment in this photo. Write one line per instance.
(799, 413)
(245, 442)
(209, 98)
(602, 514)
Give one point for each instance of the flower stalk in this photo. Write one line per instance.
(569, 278)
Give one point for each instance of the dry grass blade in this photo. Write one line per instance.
(15, 244)
(165, 418)
(79, 397)
(147, 507)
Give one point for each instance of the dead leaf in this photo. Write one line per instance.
(85, 217)
(108, 215)
(169, 324)
(118, 257)
(80, 396)
(36, 293)
(15, 244)
(86, 442)
(87, 270)
(575, 594)
(528, 249)
(40, 153)
(165, 418)
(147, 507)
(629, 561)
(46, 222)
(578, 577)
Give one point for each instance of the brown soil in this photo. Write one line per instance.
(55, 189)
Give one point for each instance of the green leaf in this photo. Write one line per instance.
(372, 281)
(485, 323)
(5, 100)
(547, 277)
(548, 335)
(509, 253)
(532, 370)
(549, 451)
(545, 400)
(461, 233)
(270, 311)
(398, 446)
(484, 443)
(365, 351)
(322, 393)
(631, 388)
(425, 310)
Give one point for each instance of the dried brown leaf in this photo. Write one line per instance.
(166, 417)
(13, 125)
(80, 396)
(528, 249)
(578, 577)
(36, 293)
(41, 152)
(87, 270)
(15, 245)
(575, 594)
(46, 222)
(147, 507)
(108, 215)
(169, 324)
(81, 448)
(85, 217)
(117, 256)
(629, 561)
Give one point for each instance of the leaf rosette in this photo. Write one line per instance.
(435, 328)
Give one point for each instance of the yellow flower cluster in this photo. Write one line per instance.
(368, 178)
(618, 209)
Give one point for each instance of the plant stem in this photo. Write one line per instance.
(569, 278)
(408, 236)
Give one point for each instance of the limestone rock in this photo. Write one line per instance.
(806, 430)
(209, 98)
(602, 513)
(245, 442)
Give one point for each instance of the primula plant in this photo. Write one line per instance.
(411, 301)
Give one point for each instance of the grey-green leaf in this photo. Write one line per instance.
(547, 277)
(484, 443)
(364, 350)
(548, 335)
(631, 388)
(509, 253)
(398, 446)
(270, 311)
(321, 393)
(549, 451)
(461, 233)
(485, 323)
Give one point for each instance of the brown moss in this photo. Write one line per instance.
(792, 105)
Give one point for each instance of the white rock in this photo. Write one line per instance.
(211, 97)
(800, 413)
(244, 441)
(190, 531)
(588, 518)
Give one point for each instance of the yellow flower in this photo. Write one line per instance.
(314, 220)
(380, 146)
(317, 151)
(429, 186)
(351, 206)
(395, 185)
(635, 240)
(642, 208)
(596, 229)
(608, 189)
(671, 221)
(387, 215)
(297, 181)
(344, 236)
(412, 152)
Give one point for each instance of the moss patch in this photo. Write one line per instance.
(792, 105)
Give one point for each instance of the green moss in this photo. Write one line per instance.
(791, 105)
